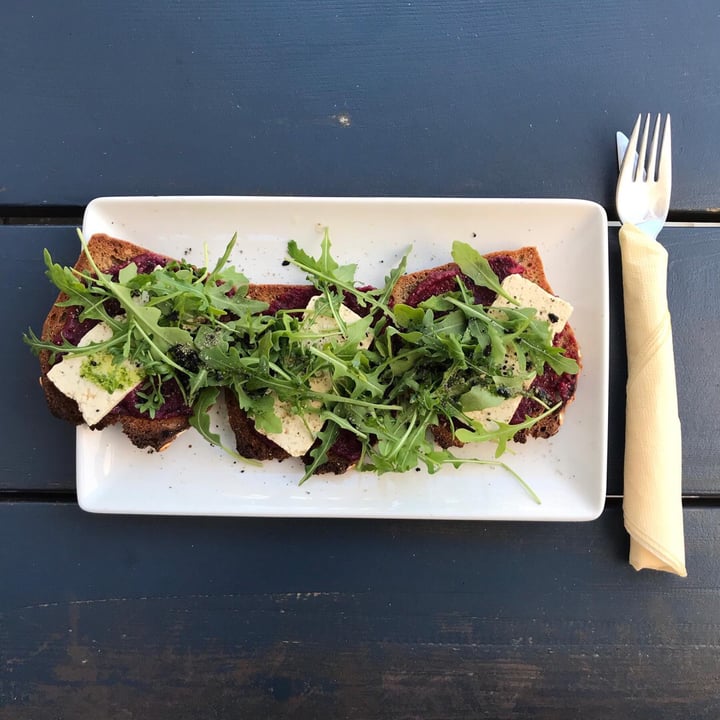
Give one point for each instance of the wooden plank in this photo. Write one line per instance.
(693, 298)
(160, 617)
(38, 450)
(364, 98)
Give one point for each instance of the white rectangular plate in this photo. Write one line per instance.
(194, 478)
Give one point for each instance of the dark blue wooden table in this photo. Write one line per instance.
(149, 617)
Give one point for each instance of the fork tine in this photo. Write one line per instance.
(652, 159)
(642, 152)
(627, 169)
(640, 199)
(665, 170)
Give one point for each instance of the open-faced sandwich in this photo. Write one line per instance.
(119, 344)
(381, 379)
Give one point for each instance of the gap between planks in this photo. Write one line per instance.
(71, 216)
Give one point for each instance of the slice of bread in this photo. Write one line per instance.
(144, 432)
(252, 444)
(529, 260)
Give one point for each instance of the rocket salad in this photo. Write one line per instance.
(388, 376)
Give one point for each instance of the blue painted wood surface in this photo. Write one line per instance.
(231, 618)
(120, 617)
(43, 459)
(479, 99)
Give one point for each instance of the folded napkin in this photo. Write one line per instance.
(652, 503)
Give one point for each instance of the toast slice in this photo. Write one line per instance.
(415, 287)
(143, 431)
(255, 445)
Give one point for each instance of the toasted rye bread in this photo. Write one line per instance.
(249, 442)
(534, 271)
(142, 432)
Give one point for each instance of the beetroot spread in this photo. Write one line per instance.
(294, 298)
(73, 330)
(173, 406)
(146, 263)
(550, 387)
(347, 447)
(351, 301)
(444, 280)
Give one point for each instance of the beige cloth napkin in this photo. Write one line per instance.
(653, 463)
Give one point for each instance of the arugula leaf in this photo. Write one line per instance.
(326, 274)
(319, 452)
(436, 459)
(500, 435)
(407, 316)
(452, 323)
(200, 420)
(216, 274)
(128, 273)
(554, 357)
(325, 269)
(477, 268)
(262, 411)
(479, 398)
(391, 280)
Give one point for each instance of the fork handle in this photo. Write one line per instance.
(652, 501)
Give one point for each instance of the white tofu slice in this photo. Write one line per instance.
(299, 431)
(553, 309)
(506, 409)
(72, 377)
(550, 308)
(326, 323)
(500, 413)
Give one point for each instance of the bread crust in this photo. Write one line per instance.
(252, 444)
(156, 433)
(248, 441)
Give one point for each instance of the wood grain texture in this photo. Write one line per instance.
(182, 618)
(432, 98)
(38, 450)
(694, 299)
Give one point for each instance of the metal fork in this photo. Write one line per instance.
(645, 180)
